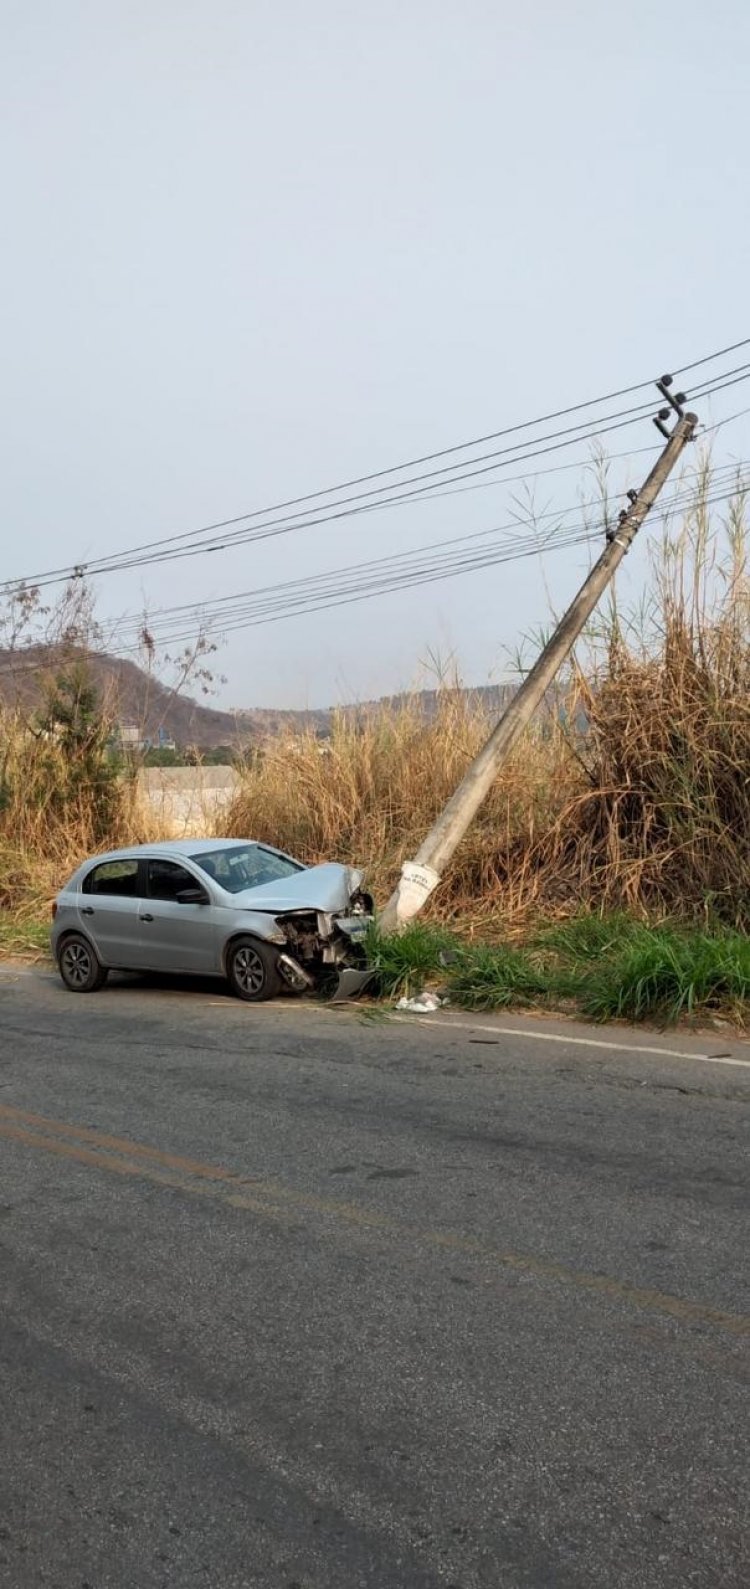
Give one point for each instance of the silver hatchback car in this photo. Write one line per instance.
(228, 908)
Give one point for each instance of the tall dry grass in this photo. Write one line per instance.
(663, 822)
(646, 808)
(369, 794)
(53, 813)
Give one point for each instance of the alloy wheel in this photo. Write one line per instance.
(249, 969)
(76, 963)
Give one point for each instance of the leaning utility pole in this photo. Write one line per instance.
(420, 876)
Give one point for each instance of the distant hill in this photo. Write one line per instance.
(136, 697)
(140, 700)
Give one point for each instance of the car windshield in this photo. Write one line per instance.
(245, 866)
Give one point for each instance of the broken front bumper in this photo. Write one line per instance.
(352, 980)
(353, 971)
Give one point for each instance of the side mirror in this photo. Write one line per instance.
(192, 896)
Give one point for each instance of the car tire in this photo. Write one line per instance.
(79, 967)
(252, 971)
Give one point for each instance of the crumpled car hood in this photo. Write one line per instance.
(326, 888)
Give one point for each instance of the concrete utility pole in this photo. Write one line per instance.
(421, 876)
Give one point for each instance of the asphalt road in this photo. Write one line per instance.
(294, 1299)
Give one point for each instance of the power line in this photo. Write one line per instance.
(361, 582)
(236, 599)
(381, 576)
(117, 562)
(678, 498)
(365, 591)
(710, 357)
(477, 441)
(129, 558)
(710, 391)
(436, 494)
(346, 507)
(351, 589)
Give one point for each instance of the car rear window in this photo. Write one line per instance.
(113, 877)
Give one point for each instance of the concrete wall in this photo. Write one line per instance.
(187, 802)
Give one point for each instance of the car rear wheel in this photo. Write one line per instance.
(252, 971)
(78, 965)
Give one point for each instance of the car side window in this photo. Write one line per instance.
(118, 878)
(165, 879)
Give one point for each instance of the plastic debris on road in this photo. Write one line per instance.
(423, 1004)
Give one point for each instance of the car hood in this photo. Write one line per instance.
(326, 888)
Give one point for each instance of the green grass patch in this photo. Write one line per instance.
(478, 977)
(661, 974)
(605, 968)
(27, 937)
(497, 977)
(404, 964)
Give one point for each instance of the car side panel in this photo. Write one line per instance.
(192, 939)
(113, 926)
(180, 938)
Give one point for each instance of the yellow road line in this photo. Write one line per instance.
(123, 1166)
(101, 1139)
(119, 1156)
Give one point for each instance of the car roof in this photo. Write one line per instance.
(187, 847)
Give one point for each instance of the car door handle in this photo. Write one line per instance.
(146, 917)
(87, 910)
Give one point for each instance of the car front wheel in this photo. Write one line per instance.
(252, 971)
(78, 965)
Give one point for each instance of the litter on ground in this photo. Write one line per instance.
(423, 1004)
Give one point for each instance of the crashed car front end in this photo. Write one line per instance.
(323, 944)
(319, 921)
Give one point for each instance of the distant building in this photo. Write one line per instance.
(131, 738)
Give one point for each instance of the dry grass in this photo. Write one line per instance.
(369, 794)
(662, 826)
(52, 815)
(647, 809)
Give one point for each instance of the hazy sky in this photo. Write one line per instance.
(250, 249)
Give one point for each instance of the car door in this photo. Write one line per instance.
(108, 907)
(176, 936)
